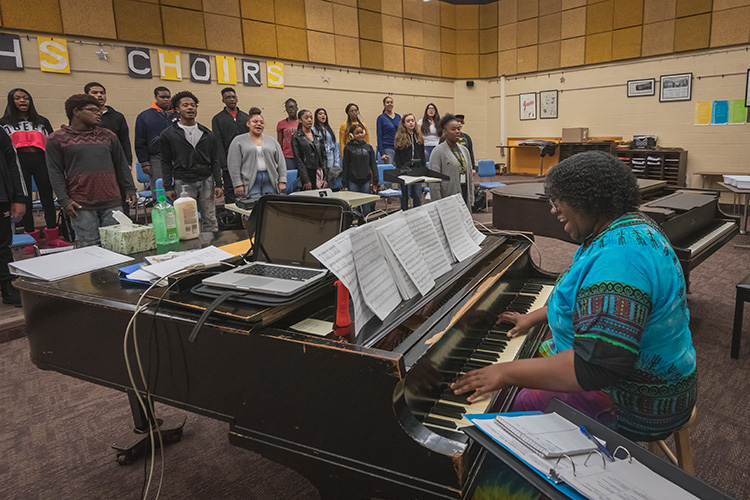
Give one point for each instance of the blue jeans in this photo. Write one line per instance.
(203, 193)
(428, 152)
(87, 225)
(262, 185)
(414, 191)
(363, 188)
(290, 165)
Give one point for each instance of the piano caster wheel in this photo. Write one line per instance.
(124, 459)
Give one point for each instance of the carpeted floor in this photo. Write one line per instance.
(57, 431)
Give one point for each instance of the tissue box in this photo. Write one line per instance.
(127, 241)
(577, 134)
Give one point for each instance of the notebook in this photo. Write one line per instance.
(287, 229)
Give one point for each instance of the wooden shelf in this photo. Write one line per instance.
(668, 164)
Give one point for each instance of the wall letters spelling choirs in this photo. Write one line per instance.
(55, 58)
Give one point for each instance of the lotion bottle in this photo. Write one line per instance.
(188, 226)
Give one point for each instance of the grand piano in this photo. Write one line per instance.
(691, 218)
(369, 417)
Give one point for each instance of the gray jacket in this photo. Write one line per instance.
(443, 160)
(242, 161)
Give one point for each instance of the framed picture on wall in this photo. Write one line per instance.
(747, 90)
(640, 88)
(676, 87)
(527, 106)
(548, 104)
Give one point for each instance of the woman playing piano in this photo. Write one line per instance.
(621, 350)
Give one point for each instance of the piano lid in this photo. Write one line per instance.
(682, 201)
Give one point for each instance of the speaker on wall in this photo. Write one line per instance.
(470, 83)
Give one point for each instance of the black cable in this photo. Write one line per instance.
(211, 308)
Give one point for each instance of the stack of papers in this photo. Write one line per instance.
(209, 256)
(549, 434)
(65, 264)
(400, 256)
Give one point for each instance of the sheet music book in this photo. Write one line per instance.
(399, 240)
(432, 210)
(426, 237)
(548, 434)
(66, 264)
(581, 476)
(378, 287)
(409, 179)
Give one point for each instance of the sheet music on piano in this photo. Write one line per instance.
(427, 239)
(461, 243)
(401, 243)
(378, 288)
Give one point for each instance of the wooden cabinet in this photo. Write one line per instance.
(668, 164)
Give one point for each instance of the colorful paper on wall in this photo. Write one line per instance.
(737, 112)
(720, 113)
(703, 113)
(53, 55)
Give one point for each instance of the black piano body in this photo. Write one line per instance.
(356, 417)
(691, 218)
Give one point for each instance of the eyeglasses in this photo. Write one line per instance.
(553, 201)
(92, 109)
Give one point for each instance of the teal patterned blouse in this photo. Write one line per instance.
(621, 305)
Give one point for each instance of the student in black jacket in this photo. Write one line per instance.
(13, 197)
(190, 159)
(409, 154)
(360, 170)
(111, 118)
(309, 154)
(226, 125)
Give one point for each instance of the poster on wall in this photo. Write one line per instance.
(676, 87)
(10, 52)
(737, 112)
(641, 88)
(226, 70)
(251, 73)
(275, 74)
(200, 68)
(139, 62)
(548, 104)
(527, 106)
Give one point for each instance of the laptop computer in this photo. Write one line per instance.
(285, 231)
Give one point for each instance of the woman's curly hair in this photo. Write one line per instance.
(595, 183)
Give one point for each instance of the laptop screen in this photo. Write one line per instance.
(289, 230)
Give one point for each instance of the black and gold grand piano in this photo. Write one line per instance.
(368, 418)
(691, 218)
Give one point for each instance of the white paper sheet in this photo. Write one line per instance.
(468, 220)
(207, 256)
(336, 255)
(65, 264)
(428, 241)
(432, 210)
(459, 240)
(401, 242)
(378, 288)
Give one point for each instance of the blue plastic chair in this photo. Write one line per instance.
(396, 193)
(487, 169)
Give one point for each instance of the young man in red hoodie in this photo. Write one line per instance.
(88, 170)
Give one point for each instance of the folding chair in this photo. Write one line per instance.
(487, 169)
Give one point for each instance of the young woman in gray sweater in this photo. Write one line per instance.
(256, 161)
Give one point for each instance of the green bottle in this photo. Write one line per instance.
(165, 224)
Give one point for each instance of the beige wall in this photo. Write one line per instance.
(596, 97)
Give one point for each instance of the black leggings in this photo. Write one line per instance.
(34, 164)
(6, 239)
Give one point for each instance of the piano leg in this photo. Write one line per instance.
(135, 443)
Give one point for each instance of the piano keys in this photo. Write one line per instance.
(357, 417)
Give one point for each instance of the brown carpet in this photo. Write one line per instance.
(56, 430)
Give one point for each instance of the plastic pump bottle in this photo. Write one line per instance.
(186, 207)
(165, 224)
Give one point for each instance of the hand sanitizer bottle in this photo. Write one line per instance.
(165, 224)
(186, 207)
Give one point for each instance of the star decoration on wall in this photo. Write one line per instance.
(562, 79)
(101, 54)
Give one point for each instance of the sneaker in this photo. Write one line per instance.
(10, 294)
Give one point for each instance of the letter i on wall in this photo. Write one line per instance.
(53, 55)
(226, 70)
